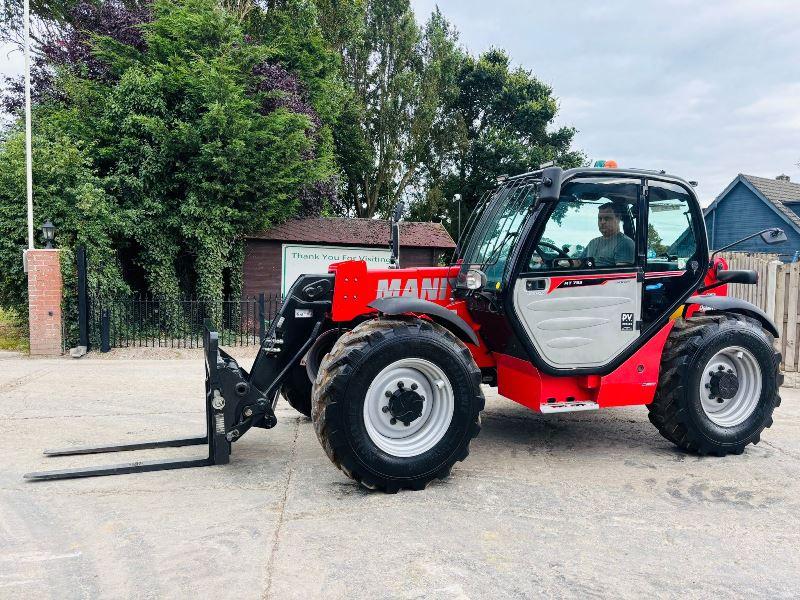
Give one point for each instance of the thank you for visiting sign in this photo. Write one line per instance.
(309, 260)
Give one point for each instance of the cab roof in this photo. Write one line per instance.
(570, 173)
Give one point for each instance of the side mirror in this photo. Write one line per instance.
(774, 236)
(550, 188)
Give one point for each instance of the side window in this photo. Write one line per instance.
(492, 245)
(670, 238)
(593, 226)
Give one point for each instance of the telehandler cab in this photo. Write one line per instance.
(572, 290)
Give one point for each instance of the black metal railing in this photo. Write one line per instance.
(145, 321)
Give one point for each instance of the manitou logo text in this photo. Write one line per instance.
(428, 288)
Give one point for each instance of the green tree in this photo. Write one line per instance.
(654, 241)
(191, 139)
(194, 154)
(504, 118)
(399, 76)
(68, 192)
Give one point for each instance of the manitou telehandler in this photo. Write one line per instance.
(572, 290)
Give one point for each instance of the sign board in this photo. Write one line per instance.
(301, 259)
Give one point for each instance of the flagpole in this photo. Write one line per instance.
(28, 152)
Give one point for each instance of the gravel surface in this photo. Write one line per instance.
(578, 505)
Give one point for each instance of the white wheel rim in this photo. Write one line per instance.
(732, 411)
(429, 428)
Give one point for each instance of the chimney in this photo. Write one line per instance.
(783, 178)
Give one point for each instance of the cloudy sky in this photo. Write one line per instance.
(704, 90)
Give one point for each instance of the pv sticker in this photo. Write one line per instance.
(627, 322)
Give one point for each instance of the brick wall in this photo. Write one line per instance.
(44, 301)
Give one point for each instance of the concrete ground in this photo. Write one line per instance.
(581, 505)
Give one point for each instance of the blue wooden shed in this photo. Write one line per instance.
(750, 204)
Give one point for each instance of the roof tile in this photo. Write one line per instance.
(778, 192)
(360, 232)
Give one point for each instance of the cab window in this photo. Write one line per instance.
(500, 226)
(671, 241)
(592, 226)
(672, 256)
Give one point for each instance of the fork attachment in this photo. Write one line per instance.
(235, 399)
(226, 421)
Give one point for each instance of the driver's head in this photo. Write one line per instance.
(608, 218)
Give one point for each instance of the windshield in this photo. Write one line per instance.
(497, 229)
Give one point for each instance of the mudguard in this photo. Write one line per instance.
(735, 305)
(398, 305)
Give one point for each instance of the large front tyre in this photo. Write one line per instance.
(396, 403)
(297, 390)
(718, 384)
(297, 386)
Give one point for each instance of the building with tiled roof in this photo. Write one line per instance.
(749, 204)
(367, 232)
(274, 258)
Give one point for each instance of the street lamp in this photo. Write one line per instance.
(49, 233)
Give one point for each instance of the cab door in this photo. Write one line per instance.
(676, 252)
(579, 295)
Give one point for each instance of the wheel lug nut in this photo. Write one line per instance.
(385, 409)
(400, 384)
(387, 393)
(720, 368)
(393, 421)
(413, 386)
(720, 400)
(710, 373)
(708, 386)
(730, 370)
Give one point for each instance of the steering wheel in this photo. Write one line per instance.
(561, 256)
(560, 251)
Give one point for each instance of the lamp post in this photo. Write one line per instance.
(49, 234)
(28, 158)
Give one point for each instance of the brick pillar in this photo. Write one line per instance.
(44, 301)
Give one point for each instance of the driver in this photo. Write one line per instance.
(613, 247)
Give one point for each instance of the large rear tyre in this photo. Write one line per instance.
(718, 384)
(396, 403)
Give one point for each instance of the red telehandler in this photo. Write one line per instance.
(570, 290)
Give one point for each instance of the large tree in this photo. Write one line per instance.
(193, 125)
(426, 120)
(504, 118)
(399, 78)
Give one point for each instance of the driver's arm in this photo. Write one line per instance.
(625, 252)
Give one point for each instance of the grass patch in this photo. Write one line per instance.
(13, 335)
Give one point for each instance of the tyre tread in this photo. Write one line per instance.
(332, 376)
(667, 412)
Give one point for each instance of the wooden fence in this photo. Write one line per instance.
(776, 294)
